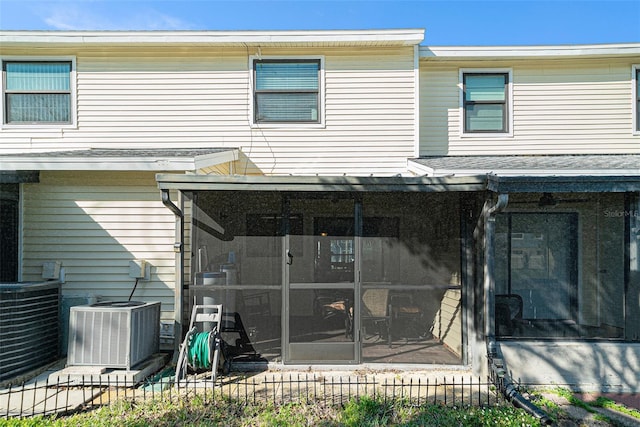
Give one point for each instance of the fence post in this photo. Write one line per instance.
(33, 403)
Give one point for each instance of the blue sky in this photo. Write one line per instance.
(446, 22)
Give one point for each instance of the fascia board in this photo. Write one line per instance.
(156, 164)
(208, 160)
(319, 183)
(242, 38)
(419, 169)
(102, 164)
(537, 172)
(444, 53)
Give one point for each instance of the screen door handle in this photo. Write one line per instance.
(290, 258)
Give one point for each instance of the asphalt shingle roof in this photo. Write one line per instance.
(577, 162)
(122, 152)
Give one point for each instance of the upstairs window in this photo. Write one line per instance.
(485, 102)
(286, 91)
(37, 92)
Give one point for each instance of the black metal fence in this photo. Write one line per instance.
(73, 394)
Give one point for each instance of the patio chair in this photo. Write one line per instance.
(376, 311)
(508, 314)
(334, 305)
(407, 316)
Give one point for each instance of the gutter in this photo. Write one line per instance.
(497, 369)
(166, 200)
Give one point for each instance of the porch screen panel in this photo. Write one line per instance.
(562, 274)
(632, 300)
(411, 298)
(236, 262)
(536, 274)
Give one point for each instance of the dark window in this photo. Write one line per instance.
(9, 197)
(286, 91)
(485, 102)
(37, 92)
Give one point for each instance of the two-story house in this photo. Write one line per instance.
(350, 197)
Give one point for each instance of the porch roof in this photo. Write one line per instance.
(118, 159)
(543, 173)
(319, 183)
(529, 165)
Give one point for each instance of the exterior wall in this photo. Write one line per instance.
(447, 326)
(559, 107)
(607, 367)
(95, 223)
(157, 97)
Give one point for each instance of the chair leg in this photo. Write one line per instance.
(389, 324)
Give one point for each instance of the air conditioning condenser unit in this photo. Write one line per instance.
(113, 334)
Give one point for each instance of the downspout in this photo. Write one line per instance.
(498, 372)
(490, 213)
(166, 200)
(178, 248)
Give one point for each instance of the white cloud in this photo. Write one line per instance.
(118, 16)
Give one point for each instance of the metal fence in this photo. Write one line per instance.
(75, 394)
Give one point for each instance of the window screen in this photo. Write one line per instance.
(286, 91)
(485, 102)
(37, 92)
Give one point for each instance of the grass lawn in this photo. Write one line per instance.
(196, 411)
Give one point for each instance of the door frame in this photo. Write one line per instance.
(291, 349)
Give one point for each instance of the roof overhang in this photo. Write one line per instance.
(563, 184)
(457, 53)
(390, 37)
(528, 165)
(319, 183)
(540, 174)
(119, 159)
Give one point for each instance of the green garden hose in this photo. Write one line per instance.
(199, 350)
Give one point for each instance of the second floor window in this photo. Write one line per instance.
(37, 92)
(485, 102)
(286, 91)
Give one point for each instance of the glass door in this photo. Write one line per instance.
(321, 271)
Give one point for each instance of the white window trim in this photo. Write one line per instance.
(321, 95)
(73, 87)
(484, 135)
(634, 77)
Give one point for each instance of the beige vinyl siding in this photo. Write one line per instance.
(94, 224)
(200, 97)
(559, 107)
(447, 326)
